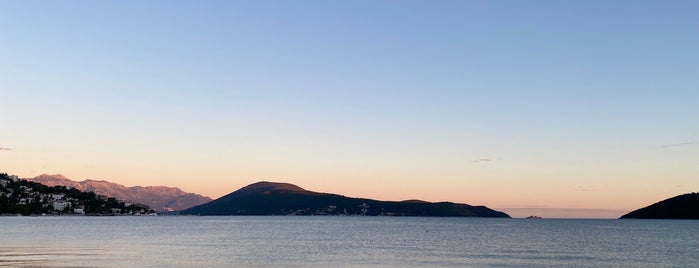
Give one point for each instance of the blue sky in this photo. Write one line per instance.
(574, 97)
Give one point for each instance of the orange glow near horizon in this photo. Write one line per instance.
(522, 106)
(556, 201)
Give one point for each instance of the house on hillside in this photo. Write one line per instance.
(61, 205)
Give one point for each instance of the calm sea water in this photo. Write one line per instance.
(344, 242)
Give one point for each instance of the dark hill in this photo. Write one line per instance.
(684, 206)
(270, 198)
(267, 188)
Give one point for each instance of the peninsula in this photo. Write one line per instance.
(273, 198)
(684, 206)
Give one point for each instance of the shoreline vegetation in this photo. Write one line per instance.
(275, 198)
(162, 199)
(19, 197)
(26, 198)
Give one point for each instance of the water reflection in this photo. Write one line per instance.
(342, 241)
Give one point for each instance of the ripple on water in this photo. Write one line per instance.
(58, 257)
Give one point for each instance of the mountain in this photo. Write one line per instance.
(271, 198)
(159, 198)
(684, 206)
(33, 198)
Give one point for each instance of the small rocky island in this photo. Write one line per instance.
(684, 206)
(22, 197)
(271, 198)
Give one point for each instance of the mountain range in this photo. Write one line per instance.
(273, 198)
(159, 198)
(32, 198)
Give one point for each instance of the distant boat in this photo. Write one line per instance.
(534, 217)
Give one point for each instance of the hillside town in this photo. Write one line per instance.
(21, 197)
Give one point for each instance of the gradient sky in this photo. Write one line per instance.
(548, 107)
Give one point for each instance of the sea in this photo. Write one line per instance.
(327, 241)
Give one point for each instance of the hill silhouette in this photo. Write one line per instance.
(272, 198)
(684, 206)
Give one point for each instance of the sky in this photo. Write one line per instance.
(558, 108)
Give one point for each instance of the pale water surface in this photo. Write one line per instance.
(344, 242)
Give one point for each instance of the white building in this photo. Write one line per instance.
(61, 205)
